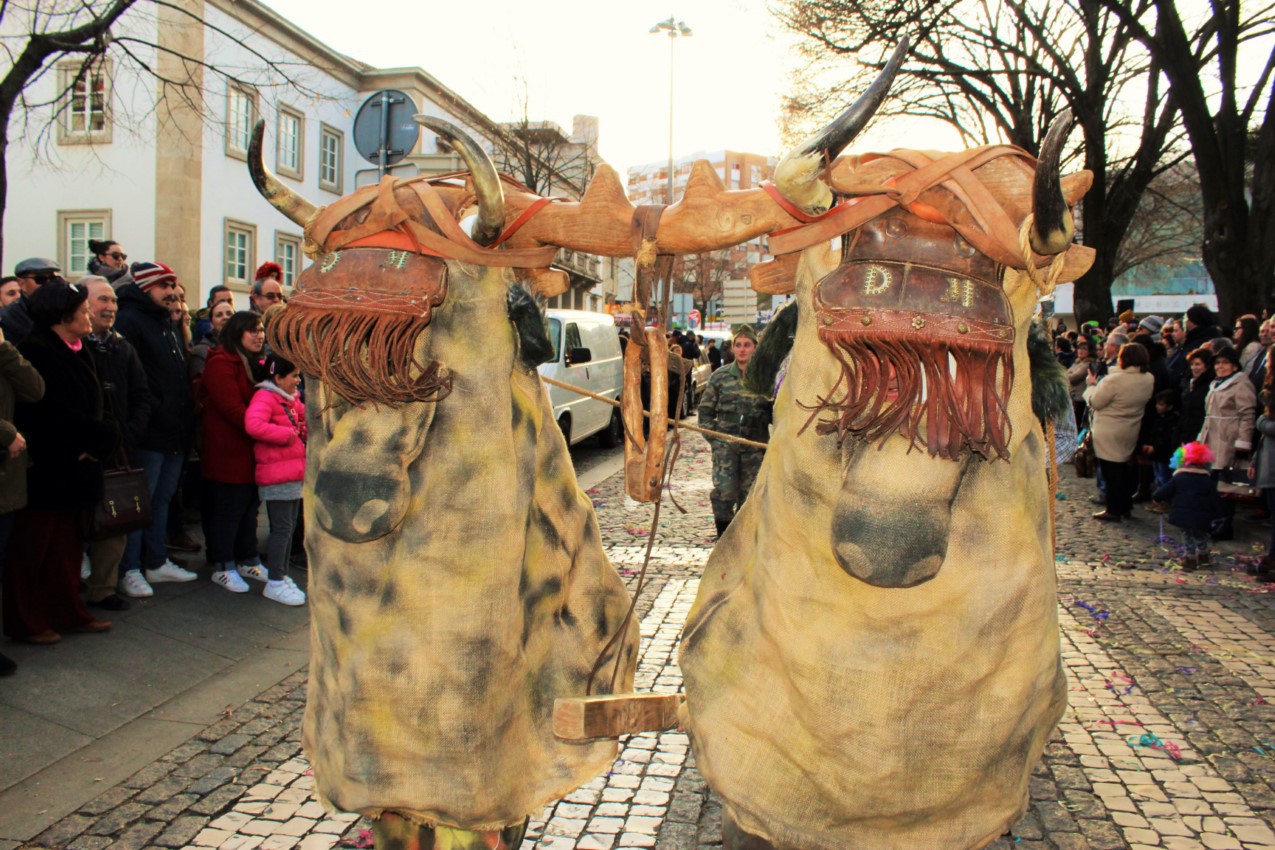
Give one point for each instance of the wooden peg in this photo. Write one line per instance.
(585, 718)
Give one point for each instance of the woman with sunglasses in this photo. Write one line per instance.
(109, 260)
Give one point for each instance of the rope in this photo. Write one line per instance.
(1046, 284)
(1053, 486)
(671, 452)
(716, 435)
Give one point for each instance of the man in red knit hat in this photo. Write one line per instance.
(267, 288)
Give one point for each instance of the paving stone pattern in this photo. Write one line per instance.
(1168, 742)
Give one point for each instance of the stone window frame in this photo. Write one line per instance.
(65, 219)
(327, 131)
(251, 95)
(67, 71)
(230, 226)
(287, 112)
(282, 238)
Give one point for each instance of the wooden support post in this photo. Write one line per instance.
(586, 718)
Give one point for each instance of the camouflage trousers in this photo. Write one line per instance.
(734, 471)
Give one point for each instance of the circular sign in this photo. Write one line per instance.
(384, 121)
(692, 318)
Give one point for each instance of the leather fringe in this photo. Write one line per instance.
(361, 356)
(949, 399)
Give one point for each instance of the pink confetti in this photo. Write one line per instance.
(362, 841)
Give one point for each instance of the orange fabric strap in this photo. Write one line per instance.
(527, 214)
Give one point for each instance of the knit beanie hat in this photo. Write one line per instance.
(268, 269)
(1153, 324)
(148, 275)
(1127, 317)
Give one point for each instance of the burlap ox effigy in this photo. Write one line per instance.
(458, 584)
(872, 662)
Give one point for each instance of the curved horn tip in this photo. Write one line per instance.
(483, 176)
(285, 200)
(828, 143)
(256, 164)
(1052, 224)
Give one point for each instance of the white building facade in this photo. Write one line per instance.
(161, 169)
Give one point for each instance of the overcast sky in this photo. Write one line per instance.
(588, 57)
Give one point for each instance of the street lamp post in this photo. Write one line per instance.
(674, 29)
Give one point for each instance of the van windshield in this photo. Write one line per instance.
(555, 337)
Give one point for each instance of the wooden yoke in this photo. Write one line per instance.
(644, 456)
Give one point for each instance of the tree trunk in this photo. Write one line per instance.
(1093, 289)
(4, 179)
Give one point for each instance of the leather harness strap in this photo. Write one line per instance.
(994, 234)
(387, 216)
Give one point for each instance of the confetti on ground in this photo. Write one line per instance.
(1153, 742)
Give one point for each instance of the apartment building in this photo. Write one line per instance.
(648, 184)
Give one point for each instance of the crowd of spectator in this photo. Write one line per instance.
(114, 372)
(1162, 398)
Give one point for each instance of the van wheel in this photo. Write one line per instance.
(564, 425)
(613, 434)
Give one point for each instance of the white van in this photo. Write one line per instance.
(586, 354)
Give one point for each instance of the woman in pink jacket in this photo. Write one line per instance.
(276, 422)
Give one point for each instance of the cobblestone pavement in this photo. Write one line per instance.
(1168, 742)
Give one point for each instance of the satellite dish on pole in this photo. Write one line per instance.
(384, 131)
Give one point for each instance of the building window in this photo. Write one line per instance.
(291, 142)
(84, 111)
(241, 252)
(287, 253)
(241, 114)
(331, 156)
(75, 229)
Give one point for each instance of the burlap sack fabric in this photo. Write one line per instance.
(458, 583)
(872, 661)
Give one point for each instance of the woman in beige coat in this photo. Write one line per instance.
(1230, 412)
(1118, 402)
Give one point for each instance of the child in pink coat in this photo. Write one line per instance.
(276, 422)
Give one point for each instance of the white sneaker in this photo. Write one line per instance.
(285, 592)
(230, 580)
(256, 572)
(168, 571)
(86, 568)
(132, 584)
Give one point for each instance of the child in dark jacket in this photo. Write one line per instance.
(1159, 440)
(1195, 503)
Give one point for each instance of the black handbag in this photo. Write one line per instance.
(125, 505)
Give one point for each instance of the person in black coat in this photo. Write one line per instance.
(1159, 439)
(714, 355)
(144, 320)
(1192, 491)
(128, 404)
(1195, 393)
(1201, 326)
(68, 436)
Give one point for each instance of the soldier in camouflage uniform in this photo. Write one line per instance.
(728, 408)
